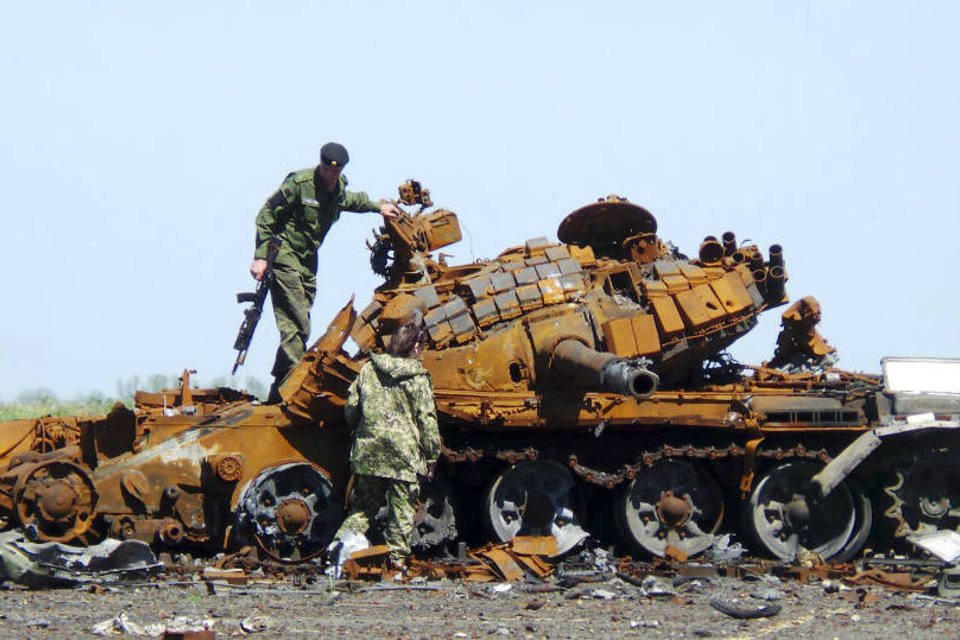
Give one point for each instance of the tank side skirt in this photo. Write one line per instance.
(858, 451)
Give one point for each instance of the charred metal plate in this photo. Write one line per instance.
(454, 307)
(557, 253)
(502, 281)
(536, 244)
(429, 297)
(527, 275)
(569, 265)
(479, 286)
(486, 312)
(435, 317)
(605, 223)
(463, 327)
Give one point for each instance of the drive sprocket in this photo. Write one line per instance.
(925, 495)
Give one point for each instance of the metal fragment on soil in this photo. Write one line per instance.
(733, 610)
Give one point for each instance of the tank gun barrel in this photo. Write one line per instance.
(573, 359)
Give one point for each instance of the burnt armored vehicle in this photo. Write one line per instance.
(582, 387)
(593, 370)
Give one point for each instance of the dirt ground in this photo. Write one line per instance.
(609, 607)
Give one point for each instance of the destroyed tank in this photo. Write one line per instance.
(582, 387)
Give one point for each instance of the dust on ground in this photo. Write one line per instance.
(322, 607)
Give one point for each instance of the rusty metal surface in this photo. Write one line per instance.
(798, 337)
(516, 560)
(177, 480)
(607, 222)
(586, 372)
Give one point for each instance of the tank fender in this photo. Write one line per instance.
(856, 452)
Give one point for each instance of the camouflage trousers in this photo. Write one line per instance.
(292, 294)
(370, 494)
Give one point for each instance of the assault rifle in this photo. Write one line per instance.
(251, 315)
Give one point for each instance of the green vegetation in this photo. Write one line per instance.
(34, 403)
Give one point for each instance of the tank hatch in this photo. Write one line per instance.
(604, 225)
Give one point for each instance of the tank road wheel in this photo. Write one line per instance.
(534, 499)
(782, 522)
(57, 500)
(862, 528)
(926, 495)
(435, 523)
(290, 511)
(671, 503)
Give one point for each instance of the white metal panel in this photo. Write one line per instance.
(921, 375)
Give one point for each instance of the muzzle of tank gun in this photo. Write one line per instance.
(620, 376)
(711, 251)
(573, 359)
(729, 243)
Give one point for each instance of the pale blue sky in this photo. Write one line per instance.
(140, 139)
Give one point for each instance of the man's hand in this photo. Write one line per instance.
(389, 209)
(258, 268)
(431, 470)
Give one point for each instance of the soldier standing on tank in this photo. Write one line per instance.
(391, 409)
(301, 213)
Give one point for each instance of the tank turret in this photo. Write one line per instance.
(610, 285)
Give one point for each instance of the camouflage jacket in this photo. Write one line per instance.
(302, 214)
(391, 408)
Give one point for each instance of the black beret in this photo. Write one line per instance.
(334, 154)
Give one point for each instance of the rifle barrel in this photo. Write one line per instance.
(251, 315)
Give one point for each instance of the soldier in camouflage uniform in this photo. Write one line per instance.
(301, 213)
(395, 439)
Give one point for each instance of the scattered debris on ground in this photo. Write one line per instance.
(516, 575)
(51, 564)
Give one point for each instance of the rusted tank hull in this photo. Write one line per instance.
(183, 480)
